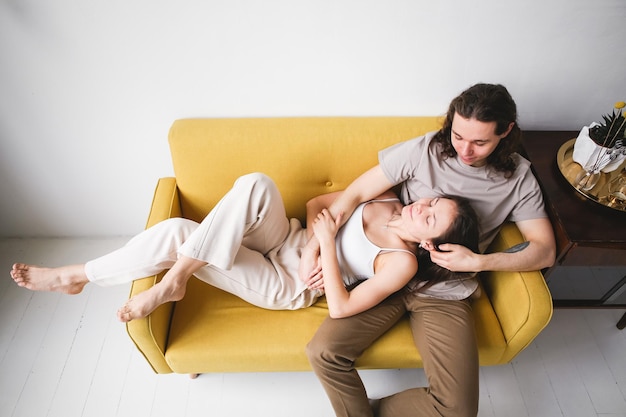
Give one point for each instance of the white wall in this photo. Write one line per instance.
(88, 89)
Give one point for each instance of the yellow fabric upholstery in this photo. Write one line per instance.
(212, 331)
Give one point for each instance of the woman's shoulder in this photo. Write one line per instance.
(397, 260)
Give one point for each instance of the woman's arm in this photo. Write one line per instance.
(393, 271)
(310, 269)
(315, 205)
(366, 187)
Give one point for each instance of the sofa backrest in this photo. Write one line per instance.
(306, 156)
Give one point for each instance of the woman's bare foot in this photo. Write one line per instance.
(171, 288)
(146, 302)
(69, 279)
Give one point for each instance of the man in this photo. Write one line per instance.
(472, 156)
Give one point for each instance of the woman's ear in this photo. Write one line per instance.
(428, 245)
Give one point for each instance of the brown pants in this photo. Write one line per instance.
(444, 334)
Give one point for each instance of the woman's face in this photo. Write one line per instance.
(474, 140)
(428, 218)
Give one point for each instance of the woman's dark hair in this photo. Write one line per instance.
(486, 103)
(463, 231)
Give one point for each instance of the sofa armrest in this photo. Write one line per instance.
(520, 300)
(150, 334)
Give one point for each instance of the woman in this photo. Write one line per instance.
(383, 237)
(248, 247)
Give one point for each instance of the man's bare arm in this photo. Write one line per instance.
(367, 186)
(537, 252)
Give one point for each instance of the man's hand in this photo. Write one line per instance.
(456, 258)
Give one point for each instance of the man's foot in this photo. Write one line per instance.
(69, 279)
(146, 302)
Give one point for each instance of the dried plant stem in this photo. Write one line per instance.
(602, 153)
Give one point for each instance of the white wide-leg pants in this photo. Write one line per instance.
(252, 249)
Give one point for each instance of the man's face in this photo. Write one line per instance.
(474, 140)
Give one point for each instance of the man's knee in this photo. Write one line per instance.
(319, 351)
(326, 351)
(313, 352)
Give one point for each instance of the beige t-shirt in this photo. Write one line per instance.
(417, 165)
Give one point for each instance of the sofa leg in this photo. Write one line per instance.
(194, 376)
(622, 322)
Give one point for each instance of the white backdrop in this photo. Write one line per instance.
(88, 89)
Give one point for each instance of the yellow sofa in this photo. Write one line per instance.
(212, 331)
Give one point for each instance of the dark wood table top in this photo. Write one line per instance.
(583, 220)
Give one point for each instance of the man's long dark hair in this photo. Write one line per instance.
(463, 231)
(486, 103)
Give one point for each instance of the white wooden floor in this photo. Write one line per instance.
(68, 356)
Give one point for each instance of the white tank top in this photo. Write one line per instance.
(355, 252)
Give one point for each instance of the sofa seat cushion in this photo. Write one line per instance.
(214, 331)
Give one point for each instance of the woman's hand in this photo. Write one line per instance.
(325, 227)
(310, 269)
(324, 230)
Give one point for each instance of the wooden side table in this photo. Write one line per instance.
(590, 269)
